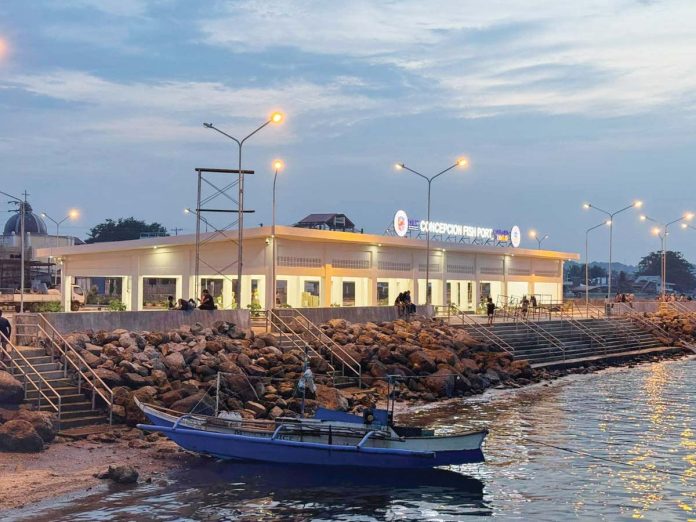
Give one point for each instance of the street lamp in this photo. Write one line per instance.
(72, 214)
(276, 117)
(534, 235)
(611, 215)
(662, 232)
(278, 166)
(461, 162)
(587, 264)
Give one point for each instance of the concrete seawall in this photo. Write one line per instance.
(359, 314)
(160, 320)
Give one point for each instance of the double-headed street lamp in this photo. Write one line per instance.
(276, 117)
(611, 215)
(461, 162)
(72, 214)
(661, 231)
(540, 239)
(587, 263)
(278, 166)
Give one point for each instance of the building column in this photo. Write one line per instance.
(136, 294)
(66, 287)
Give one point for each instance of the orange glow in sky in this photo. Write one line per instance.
(3, 48)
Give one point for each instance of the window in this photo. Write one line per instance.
(310, 296)
(382, 293)
(348, 293)
(281, 297)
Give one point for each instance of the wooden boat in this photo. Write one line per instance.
(330, 438)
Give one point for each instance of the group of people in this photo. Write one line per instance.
(671, 298)
(404, 305)
(624, 298)
(526, 303)
(206, 302)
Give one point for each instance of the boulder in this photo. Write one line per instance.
(258, 408)
(420, 361)
(175, 361)
(19, 435)
(11, 390)
(43, 422)
(110, 378)
(120, 474)
(187, 404)
(331, 398)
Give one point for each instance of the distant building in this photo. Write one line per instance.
(327, 222)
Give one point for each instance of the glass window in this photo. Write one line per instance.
(255, 292)
(310, 296)
(156, 291)
(349, 293)
(382, 293)
(281, 297)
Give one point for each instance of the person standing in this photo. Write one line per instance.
(490, 310)
(6, 331)
(170, 303)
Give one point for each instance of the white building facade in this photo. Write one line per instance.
(316, 268)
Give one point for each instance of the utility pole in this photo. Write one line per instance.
(176, 230)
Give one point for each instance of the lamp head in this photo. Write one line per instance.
(533, 234)
(608, 222)
(586, 206)
(208, 125)
(43, 215)
(278, 164)
(398, 166)
(689, 216)
(187, 211)
(74, 213)
(684, 225)
(462, 162)
(655, 231)
(643, 217)
(277, 117)
(637, 203)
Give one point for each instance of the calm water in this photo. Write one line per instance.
(645, 416)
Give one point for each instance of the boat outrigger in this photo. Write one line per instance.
(330, 438)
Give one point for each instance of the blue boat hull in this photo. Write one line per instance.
(248, 448)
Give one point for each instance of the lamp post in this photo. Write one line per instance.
(278, 166)
(276, 117)
(72, 214)
(534, 235)
(611, 215)
(587, 263)
(22, 210)
(661, 231)
(462, 162)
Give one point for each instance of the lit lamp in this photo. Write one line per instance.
(275, 118)
(611, 215)
(661, 230)
(73, 214)
(278, 165)
(534, 235)
(462, 163)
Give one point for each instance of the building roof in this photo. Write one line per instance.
(328, 220)
(305, 234)
(33, 224)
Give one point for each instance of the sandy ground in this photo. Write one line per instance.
(69, 467)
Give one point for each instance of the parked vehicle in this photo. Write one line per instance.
(10, 299)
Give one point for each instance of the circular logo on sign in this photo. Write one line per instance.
(515, 236)
(400, 223)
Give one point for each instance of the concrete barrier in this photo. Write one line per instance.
(359, 314)
(151, 321)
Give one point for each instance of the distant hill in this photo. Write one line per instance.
(616, 267)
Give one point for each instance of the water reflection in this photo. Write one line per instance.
(643, 418)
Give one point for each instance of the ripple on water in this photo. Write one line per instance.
(645, 416)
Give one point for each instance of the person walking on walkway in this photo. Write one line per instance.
(490, 310)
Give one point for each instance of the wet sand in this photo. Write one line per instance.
(68, 467)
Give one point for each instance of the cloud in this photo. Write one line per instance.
(597, 58)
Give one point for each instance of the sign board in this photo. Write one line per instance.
(402, 225)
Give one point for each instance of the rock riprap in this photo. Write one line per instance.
(178, 369)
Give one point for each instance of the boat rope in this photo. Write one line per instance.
(613, 461)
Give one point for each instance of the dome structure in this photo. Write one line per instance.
(33, 223)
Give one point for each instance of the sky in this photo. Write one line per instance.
(554, 104)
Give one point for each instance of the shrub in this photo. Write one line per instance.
(117, 306)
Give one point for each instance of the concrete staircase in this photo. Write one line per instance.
(560, 340)
(76, 409)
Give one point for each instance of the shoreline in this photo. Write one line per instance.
(65, 469)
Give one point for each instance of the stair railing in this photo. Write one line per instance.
(643, 321)
(68, 354)
(277, 323)
(55, 403)
(537, 329)
(332, 347)
(574, 323)
(482, 332)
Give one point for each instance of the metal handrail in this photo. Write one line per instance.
(548, 337)
(27, 380)
(632, 314)
(305, 346)
(484, 332)
(81, 374)
(330, 345)
(601, 341)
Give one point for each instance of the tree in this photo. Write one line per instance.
(679, 270)
(123, 229)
